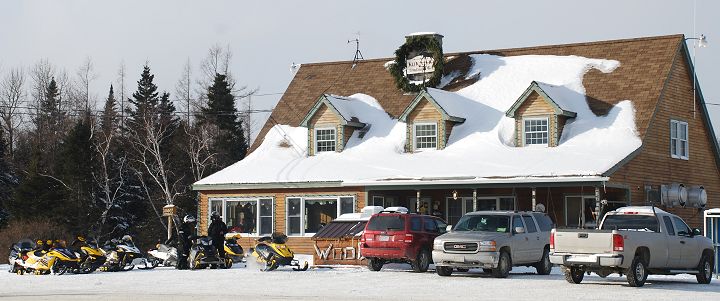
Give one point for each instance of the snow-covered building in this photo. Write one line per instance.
(559, 127)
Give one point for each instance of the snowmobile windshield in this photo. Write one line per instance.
(25, 245)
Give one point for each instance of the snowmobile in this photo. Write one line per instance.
(20, 250)
(203, 254)
(122, 255)
(163, 255)
(57, 259)
(271, 252)
(92, 256)
(233, 251)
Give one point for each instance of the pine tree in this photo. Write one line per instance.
(7, 181)
(145, 99)
(109, 118)
(75, 167)
(229, 143)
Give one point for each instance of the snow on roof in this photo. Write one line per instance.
(422, 33)
(566, 98)
(640, 209)
(481, 147)
(352, 109)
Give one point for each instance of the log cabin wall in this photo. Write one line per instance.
(424, 112)
(300, 245)
(323, 118)
(536, 107)
(654, 165)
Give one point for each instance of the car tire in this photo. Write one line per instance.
(544, 266)
(504, 266)
(637, 273)
(574, 275)
(375, 264)
(705, 269)
(421, 262)
(444, 271)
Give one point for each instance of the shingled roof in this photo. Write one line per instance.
(645, 64)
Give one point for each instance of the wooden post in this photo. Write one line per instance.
(534, 201)
(170, 225)
(417, 203)
(474, 199)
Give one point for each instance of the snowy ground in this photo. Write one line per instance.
(342, 283)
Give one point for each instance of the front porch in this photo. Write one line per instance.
(567, 204)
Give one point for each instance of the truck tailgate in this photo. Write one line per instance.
(583, 241)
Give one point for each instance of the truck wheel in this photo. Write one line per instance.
(637, 273)
(574, 275)
(444, 271)
(374, 264)
(544, 266)
(504, 266)
(422, 262)
(705, 269)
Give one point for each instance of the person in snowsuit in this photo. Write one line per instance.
(184, 240)
(216, 231)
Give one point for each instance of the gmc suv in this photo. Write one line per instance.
(397, 236)
(495, 241)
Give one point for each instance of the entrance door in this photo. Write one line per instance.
(455, 209)
(580, 211)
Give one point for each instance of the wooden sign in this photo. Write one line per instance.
(169, 210)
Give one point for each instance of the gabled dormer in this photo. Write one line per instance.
(330, 122)
(540, 118)
(428, 122)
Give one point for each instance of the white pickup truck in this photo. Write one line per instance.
(634, 241)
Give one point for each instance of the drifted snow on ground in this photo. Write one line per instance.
(481, 147)
(346, 283)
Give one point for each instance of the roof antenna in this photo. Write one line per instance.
(358, 54)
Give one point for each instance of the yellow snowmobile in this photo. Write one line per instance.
(233, 251)
(56, 259)
(91, 256)
(271, 252)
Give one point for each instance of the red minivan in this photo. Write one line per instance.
(397, 236)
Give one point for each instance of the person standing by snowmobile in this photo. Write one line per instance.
(184, 240)
(216, 231)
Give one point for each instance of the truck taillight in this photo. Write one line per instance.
(408, 238)
(618, 243)
(552, 239)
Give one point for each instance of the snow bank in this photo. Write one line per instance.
(481, 147)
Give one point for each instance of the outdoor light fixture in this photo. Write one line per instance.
(454, 193)
(701, 41)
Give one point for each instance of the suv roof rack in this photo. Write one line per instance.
(395, 210)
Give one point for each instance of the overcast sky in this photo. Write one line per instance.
(266, 37)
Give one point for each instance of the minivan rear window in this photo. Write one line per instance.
(386, 223)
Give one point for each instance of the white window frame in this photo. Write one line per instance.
(675, 152)
(524, 137)
(223, 213)
(334, 141)
(415, 136)
(302, 211)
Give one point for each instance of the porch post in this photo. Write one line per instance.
(474, 199)
(417, 202)
(533, 199)
(597, 205)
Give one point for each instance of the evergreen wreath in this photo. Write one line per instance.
(415, 43)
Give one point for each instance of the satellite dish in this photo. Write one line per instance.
(294, 67)
(540, 208)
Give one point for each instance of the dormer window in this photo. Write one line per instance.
(540, 118)
(425, 135)
(430, 118)
(325, 139)
(536, 131)
(331, 122)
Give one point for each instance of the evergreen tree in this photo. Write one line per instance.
(229, 143)
(7, 181)
(75, 168)
(145, 99)
(48, 127)
(109, 118)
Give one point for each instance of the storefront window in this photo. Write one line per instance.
(308, 215)
(241, 214)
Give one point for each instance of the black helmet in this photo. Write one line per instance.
(214, 215)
